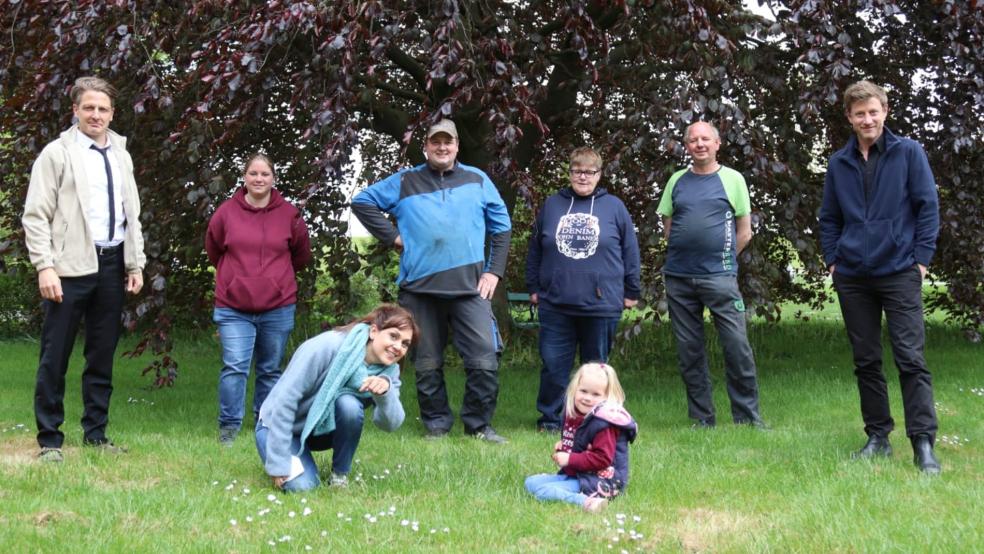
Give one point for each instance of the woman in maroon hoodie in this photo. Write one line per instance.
(257, 241)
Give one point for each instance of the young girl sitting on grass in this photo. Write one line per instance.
(593, 450)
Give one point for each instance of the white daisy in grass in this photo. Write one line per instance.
(306, 512)
(233, 522)
(291, 513)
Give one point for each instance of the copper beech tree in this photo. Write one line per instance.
(320, 85)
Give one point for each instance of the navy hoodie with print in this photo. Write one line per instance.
(583, 257)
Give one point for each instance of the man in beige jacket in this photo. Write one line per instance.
(82, 228)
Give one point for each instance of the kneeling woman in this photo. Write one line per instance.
(319, 401)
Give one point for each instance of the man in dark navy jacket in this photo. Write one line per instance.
(878, 228)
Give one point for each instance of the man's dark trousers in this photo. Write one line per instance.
(477, 340)
(98, 299)
(862, 300)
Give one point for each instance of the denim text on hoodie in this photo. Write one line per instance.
(583, 256)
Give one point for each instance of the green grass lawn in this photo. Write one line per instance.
(791, 489)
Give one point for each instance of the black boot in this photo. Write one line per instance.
(925, 460)
(877, 445)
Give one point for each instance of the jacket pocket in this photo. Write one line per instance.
(850, 246)
(577, 289)
(253, 294)
(881, 244)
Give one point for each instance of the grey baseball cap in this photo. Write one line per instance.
(443, 126)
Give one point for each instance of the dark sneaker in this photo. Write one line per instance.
(755, 423)
(703, 424)
(227, 436)
(548, 428)
(488, 434)
(106, 446)
(51, 455)
(435, 434)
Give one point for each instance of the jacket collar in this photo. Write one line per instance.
(68, 137)
(891, 139)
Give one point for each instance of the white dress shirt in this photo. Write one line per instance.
(98, 211)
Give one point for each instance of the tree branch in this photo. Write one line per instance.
(394, 90)
(405, 62)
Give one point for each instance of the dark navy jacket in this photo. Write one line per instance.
(896, 228)
(583, 257)
(442, 218)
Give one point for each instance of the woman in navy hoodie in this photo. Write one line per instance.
(257, 241)
(582, 270)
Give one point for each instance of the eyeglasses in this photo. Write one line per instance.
(585, 172)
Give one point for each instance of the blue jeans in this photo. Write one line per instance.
(552, 486)
(561, 336)
(245, 338)
(343, 441)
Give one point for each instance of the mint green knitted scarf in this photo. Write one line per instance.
(346, 373)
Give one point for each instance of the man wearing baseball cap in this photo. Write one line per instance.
(444, 211)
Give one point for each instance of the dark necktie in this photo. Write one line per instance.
(109, 183)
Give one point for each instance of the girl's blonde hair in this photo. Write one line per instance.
(615, 393)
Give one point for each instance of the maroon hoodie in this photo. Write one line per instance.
(255, 252)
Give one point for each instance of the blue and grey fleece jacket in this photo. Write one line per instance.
(443, 219)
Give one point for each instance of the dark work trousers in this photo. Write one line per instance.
(98, 299)
(476, 337)
(862, 301)
(686, 298)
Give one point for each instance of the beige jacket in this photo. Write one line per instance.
(55, 221)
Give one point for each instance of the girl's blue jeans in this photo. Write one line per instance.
(552, 486)
(343, 441)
